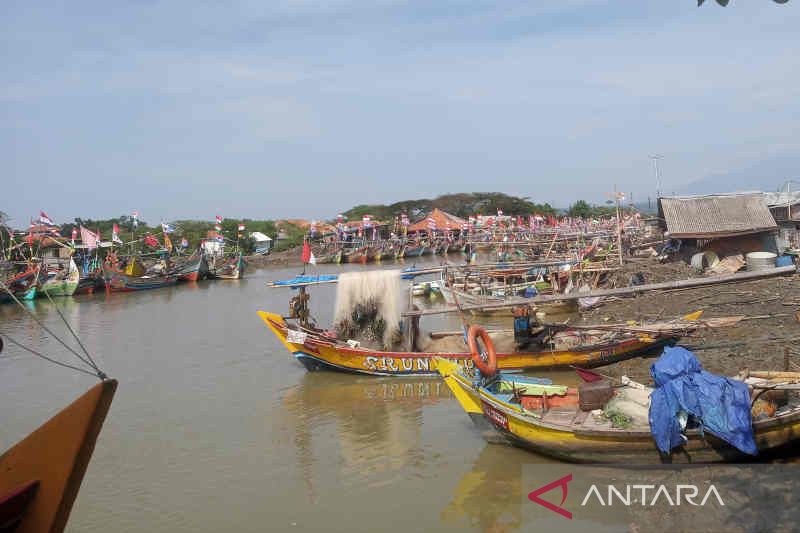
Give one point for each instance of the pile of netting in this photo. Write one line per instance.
(368, 306)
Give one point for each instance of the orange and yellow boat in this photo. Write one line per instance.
(567, 433)
(317, 351)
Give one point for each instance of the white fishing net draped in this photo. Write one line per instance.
(373, 297)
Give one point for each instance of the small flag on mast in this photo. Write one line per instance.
(308, 255)
(44, 219)
(115, 234)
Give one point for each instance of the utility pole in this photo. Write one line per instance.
(619, 224)
(655, 159)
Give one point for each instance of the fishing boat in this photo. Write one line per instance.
(231, 268)
(329, 255)
(90, 283)
(370, 335)
(373, 254)
(318, 350)
(414, 250)
(548, 420)
(62, 280)
(194, 268)
(117, 281)
(22, 285)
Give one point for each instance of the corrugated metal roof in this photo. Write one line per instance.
(778, 199)
(721, 215)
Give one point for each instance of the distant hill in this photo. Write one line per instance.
(765, 175)
(460, 204)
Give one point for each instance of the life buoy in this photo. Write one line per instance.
(489, 366)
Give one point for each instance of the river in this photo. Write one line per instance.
(215, 426)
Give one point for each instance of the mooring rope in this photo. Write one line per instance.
(89, 362)
(75, 336)
(60, 363)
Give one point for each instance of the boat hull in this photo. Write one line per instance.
(119, 282)
(57, 469)
(612, 446)
(319, 355)
(194, 269)
(58, 288)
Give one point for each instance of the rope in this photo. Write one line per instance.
(91, 364)
(34, 352)
(90, 361)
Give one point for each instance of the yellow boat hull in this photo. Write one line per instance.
(318, 355)
(574, 444)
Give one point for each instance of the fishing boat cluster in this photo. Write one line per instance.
(531, 275)
(41, 263)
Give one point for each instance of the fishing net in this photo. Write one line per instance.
(368, 306)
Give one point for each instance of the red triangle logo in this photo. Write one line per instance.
(534, 496)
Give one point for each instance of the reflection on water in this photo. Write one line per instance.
(376, 423)
(488, 495)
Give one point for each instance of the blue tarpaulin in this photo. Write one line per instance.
(721, 405)
(298, 281)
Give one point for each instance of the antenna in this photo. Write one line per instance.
(656, 158)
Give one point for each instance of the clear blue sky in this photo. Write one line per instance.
(270, 109)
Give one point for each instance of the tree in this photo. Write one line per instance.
(580, 209)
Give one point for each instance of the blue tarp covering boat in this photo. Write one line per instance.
(685, 392)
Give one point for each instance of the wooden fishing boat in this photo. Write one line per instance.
(567, 433)
(317, 350)
(329, 255)
(22, 285)
(357, 255)
(232, 268)
(61, 282)
(90, 283)
(194, 268)
(414, 250)
(117, 281)
(373, 254)
(41, 475)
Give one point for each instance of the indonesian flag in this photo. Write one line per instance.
(499, 212)
(115, 234)
(44, 219)
(241, 227)
(74, 235)
(219, 219)
(308, 255)
(89, 239)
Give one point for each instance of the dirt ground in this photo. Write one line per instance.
(757, 343)
(285, 258)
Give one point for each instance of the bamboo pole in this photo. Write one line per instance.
(680, 284)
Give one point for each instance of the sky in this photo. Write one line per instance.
(300, 108)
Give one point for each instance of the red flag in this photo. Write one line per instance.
(306, 257)
(149, 240)
(89, 239)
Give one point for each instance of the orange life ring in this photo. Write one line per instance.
(488, 367)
